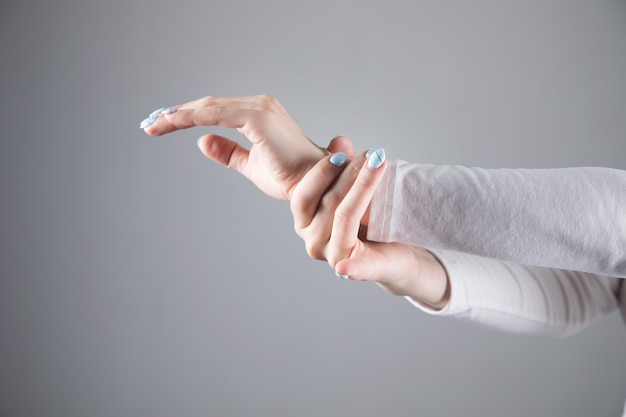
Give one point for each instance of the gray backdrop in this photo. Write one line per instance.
(140, 279)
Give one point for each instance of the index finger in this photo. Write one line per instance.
(229, 112)
(207, 111)
(348, 215)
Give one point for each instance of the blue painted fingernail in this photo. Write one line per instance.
(156, 113)
(375, 157)
(147, 122)
(338, 159)
(342, 276)
(154, 116)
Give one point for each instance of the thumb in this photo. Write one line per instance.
(224, 151)
(400, 269)
(373, 261)
(342, 144)
(390, 264)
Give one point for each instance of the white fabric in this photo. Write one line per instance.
(524, 299)
(557, 220)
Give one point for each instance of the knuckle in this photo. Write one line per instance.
(267, 101)
(365, 181)
(296, 205)
(208, 101)
(315, 251)
(332, 261)
(212, 104)
(218, 110)
(330, 201)
(298, 202)
(300, 211)
(354, 169)
(343, 217)
(300, 231)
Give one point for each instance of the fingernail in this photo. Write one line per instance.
(147, 122)
(154, 116)
(342, 276)
(156, 113)
(375, 157)
(338, 159)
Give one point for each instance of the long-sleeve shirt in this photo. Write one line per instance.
(528, 251)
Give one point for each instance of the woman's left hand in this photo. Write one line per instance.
(328, 206)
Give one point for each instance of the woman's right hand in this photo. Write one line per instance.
(328, 205)
(280, 153)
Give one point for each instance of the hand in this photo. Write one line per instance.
(280, 154)
(328, 206)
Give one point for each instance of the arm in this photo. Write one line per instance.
(523, 299)
(327, 206)
(571, 218)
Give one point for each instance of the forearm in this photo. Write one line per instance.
(563, 218)
(521, 299)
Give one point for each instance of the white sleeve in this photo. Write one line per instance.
(523, 299)
(571, 218)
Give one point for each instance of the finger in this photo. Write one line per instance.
(184, 118)
(333, 195)
(224, 151)
(342, 144)
(228, 112)
(384, 263)
(318, 232)
(154, 116)
(315, 229)
(307, 194)
(347, 217)
(400, 269)
(207, 111)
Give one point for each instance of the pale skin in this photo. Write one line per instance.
(327, 205)
(330, 204)
(279, 155)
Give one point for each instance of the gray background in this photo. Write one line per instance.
(140, 279)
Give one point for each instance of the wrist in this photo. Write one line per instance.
(416, 274)
(430, 285)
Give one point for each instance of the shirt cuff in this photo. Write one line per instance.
(381, 207)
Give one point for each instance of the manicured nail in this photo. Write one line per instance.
(342, 276)
(154, 116)
(375, 157)
(156, 113)
(338, 159)
(147, 122)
